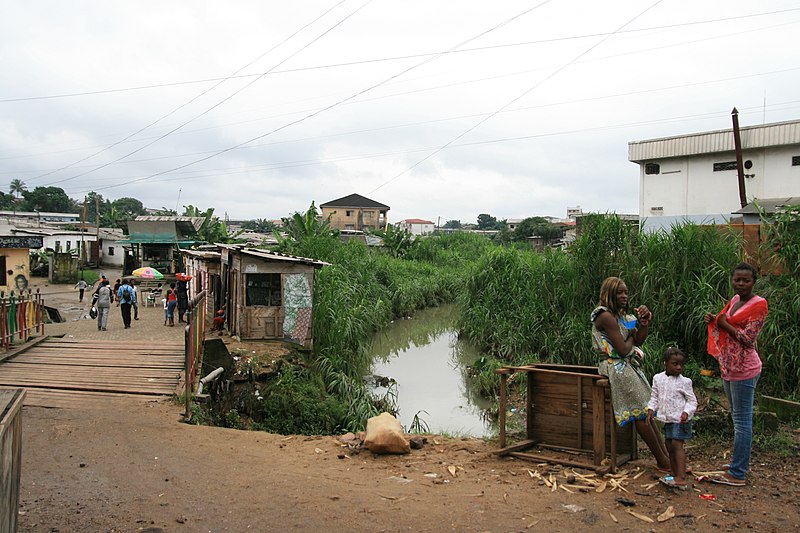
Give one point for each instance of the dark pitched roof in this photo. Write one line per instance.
(354, 200)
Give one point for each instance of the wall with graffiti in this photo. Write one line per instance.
(15, 275)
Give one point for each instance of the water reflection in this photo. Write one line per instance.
(429, 364)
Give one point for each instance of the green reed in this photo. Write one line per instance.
(522, 306)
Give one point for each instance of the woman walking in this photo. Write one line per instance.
(616, 337)
(732, 336)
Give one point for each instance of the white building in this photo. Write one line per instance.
(111, 253)
(693, 177)
(416, 226)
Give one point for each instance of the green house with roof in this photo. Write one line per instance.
(156, 241)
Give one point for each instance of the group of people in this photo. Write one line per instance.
(124, 293)
(617, 335)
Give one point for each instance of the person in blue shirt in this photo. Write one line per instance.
(125, 298)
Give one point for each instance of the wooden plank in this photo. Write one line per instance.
(503, 406)
(556, 460)
(523, 445)
(598, 424)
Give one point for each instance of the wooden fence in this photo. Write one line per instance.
(195, 336)
(20, 316)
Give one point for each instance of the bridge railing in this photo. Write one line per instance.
(20, 316)
(193, 345)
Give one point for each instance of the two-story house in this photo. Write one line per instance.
(355, 212)
(694, 178)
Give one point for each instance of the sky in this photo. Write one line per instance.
(442, 110)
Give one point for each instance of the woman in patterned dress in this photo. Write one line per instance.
(616, 337)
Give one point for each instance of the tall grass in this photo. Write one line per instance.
(521, 306)
(362, 291)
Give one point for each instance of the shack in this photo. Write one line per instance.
(156, 241)
(204, 266)
(15, 250)
(267, 295)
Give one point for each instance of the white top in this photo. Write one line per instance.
(671, 397)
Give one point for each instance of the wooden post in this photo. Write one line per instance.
(503, 401)
(529, 407)
(580, 413)
(612, 430)
(598, 421)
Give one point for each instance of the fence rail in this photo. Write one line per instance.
(194, 338)
(20, 316)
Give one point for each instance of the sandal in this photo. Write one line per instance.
(669, 481)
(727, 479)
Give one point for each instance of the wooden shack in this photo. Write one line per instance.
(11, 454)
(568, 411)
(204, 266)
(267, 295)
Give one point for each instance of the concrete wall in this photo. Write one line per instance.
(689, 186)
(17, 269)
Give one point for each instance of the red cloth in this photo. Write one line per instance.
(738, 358)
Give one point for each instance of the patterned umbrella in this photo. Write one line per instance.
(147, 272)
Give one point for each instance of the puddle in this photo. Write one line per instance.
(428, 362)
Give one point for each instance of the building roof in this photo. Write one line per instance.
(186, 225)
(710, 142)
(768, 205)
(417, 221)
(273, 256)
(35, 214)
(354, 200)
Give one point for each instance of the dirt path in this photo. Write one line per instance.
(137, 467)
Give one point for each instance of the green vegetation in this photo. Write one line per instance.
(521, 306)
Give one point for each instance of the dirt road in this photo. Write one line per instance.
(134, 466)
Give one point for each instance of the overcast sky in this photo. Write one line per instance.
(439, 109)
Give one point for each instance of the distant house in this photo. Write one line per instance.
(694, 177)
(355, 212)
(36, 217)
(155, 241)
(416, 226)
(112, 253)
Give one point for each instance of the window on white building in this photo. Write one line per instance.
(110, 250)
(796, 160)
(652, 168)
(727, 165)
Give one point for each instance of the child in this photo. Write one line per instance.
(673, 402)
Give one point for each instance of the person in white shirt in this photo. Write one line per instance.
(673, 402)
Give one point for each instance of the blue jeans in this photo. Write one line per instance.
(740, 397)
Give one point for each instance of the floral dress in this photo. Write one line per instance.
(630, 391)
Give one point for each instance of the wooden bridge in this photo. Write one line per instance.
(63, 372)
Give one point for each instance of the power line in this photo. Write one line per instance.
(393, 58)
(202, 94)
(413, 91)
(515, 99)
(335, 104)
(215, 173)
(476, 115)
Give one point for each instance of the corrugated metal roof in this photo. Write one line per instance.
(769, 205)
(761, 136)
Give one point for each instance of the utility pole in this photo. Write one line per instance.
(737, 144)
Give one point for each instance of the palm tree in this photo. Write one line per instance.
(17, 187)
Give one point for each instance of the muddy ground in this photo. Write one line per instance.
(135, 466)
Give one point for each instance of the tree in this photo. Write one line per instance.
(17, 187)
(452, 224)
(52, 199)
(537, 226)
(301, 226)
(260, 225)
(212, 228)
(486, 221)
(397, 241)
(128, 208)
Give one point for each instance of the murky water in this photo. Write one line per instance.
(428, 362)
